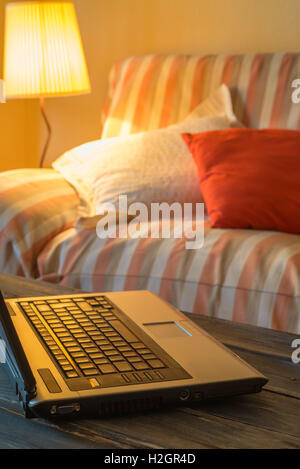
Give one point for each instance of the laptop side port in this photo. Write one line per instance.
(65, 409)
(184, 395)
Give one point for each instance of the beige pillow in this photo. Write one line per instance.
(217, 104)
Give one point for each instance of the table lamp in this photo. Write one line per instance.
(43, 54)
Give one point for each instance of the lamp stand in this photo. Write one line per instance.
(43, 112)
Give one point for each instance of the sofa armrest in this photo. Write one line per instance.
(35, 205)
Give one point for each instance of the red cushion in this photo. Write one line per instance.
(249, 178)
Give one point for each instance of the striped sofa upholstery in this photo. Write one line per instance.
(35, 205)
(155, 91)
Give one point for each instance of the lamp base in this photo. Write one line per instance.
(43, 112)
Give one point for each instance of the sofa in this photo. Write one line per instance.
(243, 275)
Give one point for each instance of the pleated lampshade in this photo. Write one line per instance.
(43, 53)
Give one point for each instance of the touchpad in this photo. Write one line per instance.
(167, 329)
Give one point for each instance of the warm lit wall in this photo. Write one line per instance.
(18, 120)
(114, 29)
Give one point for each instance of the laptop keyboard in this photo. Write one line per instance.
(86, 338)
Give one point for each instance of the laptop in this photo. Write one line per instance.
(99, 354)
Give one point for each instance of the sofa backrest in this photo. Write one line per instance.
(153, 91)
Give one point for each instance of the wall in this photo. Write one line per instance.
(114, 29)
(18, 125)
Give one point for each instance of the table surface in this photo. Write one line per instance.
(270, 419)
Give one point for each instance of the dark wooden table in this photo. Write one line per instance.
(270, 419)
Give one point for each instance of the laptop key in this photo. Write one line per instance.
(80, 335)
(113, 338)
(111, 335)
(96, 355)
(94, 303)
(86, 339)
(99, 321)
(59, 329)
(134, 359)
(78, 354)
(116, 358)
(54, 322)
(86, 344)
(69, 343)
(105, 348)
(124, 349)
(101, 361)
(72, 327)
(143, 351)
(90, 350)
(129, 354)
(42, 308)
(149, 356)
(69, 321)
(141, 366)
(105, 369)
(55, 349)
(84, 306)
(105, 329)
(71, 374)
(111, 353)
(68, 340)
(63, 362)
(63, 334)
(50, 343)
(73, 349)
(67, 368)
(156, 363)
(102, 342)
(96, 336)
(123, 366)
(120, 343)
(86, 366)
(82, 360)
(92, 372)
(60, 356)
(138, 345)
